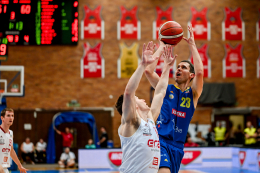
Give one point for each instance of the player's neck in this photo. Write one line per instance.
(182, 86)
(5, 128)
(143, 114)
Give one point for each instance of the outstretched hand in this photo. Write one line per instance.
(22, 169)
(190, 40)
(147, 54)
(167, 55)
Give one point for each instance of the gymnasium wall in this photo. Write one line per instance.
(52, 73)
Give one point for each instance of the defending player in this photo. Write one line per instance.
(6, 142)
(178, 106)
(137, 132)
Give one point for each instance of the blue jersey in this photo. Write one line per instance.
(175, 116)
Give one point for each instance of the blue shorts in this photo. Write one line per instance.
(170, 156)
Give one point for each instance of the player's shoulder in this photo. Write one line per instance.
(11, 132)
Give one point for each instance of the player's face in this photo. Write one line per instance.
(8, 119)
(182, 73)
(141, 104)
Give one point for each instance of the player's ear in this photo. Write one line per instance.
(192, 75)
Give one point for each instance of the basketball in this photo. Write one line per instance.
(171, 32)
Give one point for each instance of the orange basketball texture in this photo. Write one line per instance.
(171, 33)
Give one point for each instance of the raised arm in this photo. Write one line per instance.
(151, 75)
(197, 84)
(129, 105)
(161, 87)
(59, 132)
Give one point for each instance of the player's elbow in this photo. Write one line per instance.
(200, 73)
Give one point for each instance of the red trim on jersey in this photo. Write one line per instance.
(2, 129)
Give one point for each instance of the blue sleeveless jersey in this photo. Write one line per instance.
(175, 116)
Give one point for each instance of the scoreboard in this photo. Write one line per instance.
(39, 22)
(3, 49)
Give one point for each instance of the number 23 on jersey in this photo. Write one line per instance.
(185, 102)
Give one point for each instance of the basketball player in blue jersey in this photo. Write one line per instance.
(178, 106)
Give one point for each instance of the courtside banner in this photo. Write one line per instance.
(92, 25)
(233, 27)
(92, 63)
(200, 24)
(100, 158)
(129, 27)
(203, 51)
(162, 17)
(249, 159)
(194, 157)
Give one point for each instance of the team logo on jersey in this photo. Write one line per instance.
(178, 113)
(10, 142)
(147, 131)
(115, 158)
(171, 96)
(176, 128)
(165, 160)
(2, 141)
(155, 161)
(189, 156)
(5, 159)
(242, 157)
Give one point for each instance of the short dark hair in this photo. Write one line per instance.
(119, 104)
(191, 66)
(5, 110)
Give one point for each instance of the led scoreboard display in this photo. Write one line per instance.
(39, 22)
(3, 49)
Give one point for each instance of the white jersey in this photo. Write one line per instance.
(141, 151)
(6, 142)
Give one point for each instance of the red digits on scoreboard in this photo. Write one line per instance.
(3, 49)
(16, 38)
(25, 9)
(5, 7)
(12, 15)
(26, 38)
(10, 38)
(15, 1)
(75, 4)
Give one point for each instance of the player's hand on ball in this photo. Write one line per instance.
(167, 55)
(147, 54)
(190, 40)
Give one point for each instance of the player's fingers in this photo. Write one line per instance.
(147, 47)
(170, 51)
(144, 47)
(184, 38)
(154, 46)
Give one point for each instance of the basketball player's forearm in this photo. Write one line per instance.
(164, 80)
(157, 53)
(1, 169)
(198, 65)
(135, 79)
(149, 70)
(15, 158)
